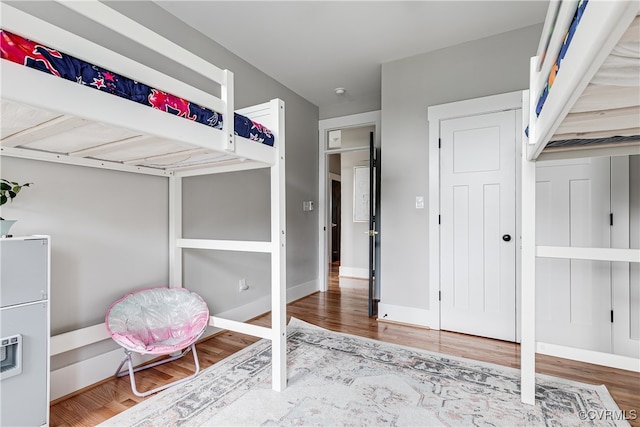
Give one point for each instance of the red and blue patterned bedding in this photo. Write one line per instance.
(40, 57)
(563, 51)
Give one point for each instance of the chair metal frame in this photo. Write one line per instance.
(131, 370)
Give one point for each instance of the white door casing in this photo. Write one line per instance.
(372, 118)
(478, 236)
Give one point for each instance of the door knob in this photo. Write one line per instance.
(506, 237)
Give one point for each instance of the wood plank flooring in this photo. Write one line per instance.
(343, 311)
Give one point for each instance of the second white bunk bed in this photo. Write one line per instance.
(583, 101)
(48, 118)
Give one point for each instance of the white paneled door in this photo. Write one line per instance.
(478, 239)
(573, 297)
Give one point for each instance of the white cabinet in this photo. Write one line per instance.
(24, 331)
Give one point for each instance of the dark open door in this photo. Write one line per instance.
(336, 194)
(374, 228)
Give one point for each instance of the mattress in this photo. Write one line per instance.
(40, 57)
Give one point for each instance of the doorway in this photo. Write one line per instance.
(344, 149)
(347, 225)
(478, 225)
(458, 270)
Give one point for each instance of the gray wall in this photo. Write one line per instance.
(346, 107)
(479, 68)
(212, 212)
(108, 233)
(109, 229)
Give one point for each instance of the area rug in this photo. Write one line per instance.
(338, 379)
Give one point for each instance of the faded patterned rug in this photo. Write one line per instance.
(337, 379)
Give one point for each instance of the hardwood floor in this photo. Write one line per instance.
(343, 311)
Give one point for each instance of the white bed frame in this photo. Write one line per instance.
(602, 26)
(25, 86)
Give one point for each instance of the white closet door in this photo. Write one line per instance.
(573, 297)
(477, 231)
(625, 233)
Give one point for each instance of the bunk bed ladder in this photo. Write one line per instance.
(276, 247)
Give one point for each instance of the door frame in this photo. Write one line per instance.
(459, 109)
(372, 118)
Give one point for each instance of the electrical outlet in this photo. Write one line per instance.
(242, 285)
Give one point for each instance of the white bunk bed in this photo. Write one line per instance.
(96, 129)
(592, 108)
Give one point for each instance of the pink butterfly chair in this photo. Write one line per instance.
(159, 321)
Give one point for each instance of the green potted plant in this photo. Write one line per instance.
(8, 191)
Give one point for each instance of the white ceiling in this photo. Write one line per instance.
(313, 47)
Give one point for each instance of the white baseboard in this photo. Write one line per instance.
(82, 374)
(408, 315)
(302, 290)
(355, 272)
(263, 305)
(589, 356)
(352, 283)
